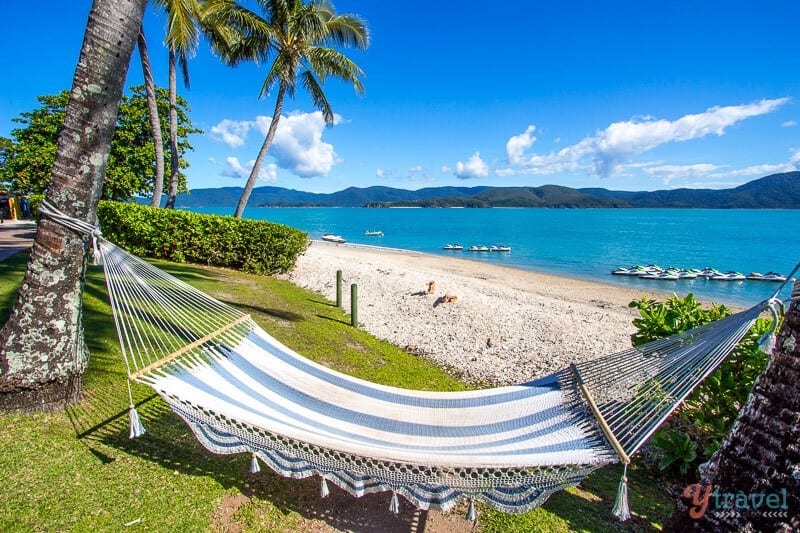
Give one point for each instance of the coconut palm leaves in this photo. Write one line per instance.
(298, 38)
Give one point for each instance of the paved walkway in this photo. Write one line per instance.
(16, 236)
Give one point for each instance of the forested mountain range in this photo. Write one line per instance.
(777, 191)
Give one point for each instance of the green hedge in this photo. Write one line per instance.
(248, 245)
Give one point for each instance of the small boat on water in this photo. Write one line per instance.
(729, 276)
(479, 248)
(769, 276)
(499, 248)
(330, 237)
(373, 233)
(455, 246)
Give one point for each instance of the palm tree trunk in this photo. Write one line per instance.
(761, 455)
(173, 133)
(273, 127)
(155, 123)
(43, 354)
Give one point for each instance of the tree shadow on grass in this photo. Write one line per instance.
(101, 424)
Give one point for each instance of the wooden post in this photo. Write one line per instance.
(338, 288)
(354, 305)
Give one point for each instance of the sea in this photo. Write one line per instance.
(579, 243)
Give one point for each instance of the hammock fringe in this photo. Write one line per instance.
(323, 490)
(472, 515)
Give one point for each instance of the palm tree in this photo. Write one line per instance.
(43, 354)
(761, 455)
(155, 123)
(297, 35)
(183, 36)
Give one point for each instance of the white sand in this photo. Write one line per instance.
(507, 325)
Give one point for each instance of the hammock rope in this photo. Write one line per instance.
(242, 391)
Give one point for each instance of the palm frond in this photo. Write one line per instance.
(318, 97)
(183, 34)
(283, 69)
(325, 62)
(348, 31)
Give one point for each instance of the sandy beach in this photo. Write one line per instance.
(505, 326)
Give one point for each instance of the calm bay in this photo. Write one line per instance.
(581, 243)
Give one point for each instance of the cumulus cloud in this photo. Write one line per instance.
(473, 168)
(789, 123)
(234, 169)
(231, 132)
(446, 170)
(298, 145)
(603, 153)
(518, 144)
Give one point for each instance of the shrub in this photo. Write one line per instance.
(254, 246)
(697, 428)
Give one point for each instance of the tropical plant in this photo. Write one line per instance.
(132, 161)
(155, 122)
(43, 352)
(760, 456)
(182, 38)
(298, 37)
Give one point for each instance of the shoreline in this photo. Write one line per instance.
(506, 325)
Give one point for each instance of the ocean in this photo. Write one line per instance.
(580, 243)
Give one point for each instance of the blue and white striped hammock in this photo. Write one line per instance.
(240, 390)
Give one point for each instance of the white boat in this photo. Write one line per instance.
(455, 246)
(688, 274)
(330, 237)
(499, 248)
(373, 233)
(709, 273)
(773, 276)
(757, 276)
(729, 276)
(479, 248)
(635, 270)
(667, 275)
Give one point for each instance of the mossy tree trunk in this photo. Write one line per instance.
(42, 354)
(761, 455)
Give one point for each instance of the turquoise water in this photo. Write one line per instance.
(582, 243)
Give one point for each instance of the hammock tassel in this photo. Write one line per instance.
(137, 429)
(621, 509)
(323, 491)
(255, 468)
(394, 505)
(472, 515)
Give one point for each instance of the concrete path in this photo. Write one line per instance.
(16, 236)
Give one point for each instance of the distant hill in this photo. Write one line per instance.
(770, 192)
(777, 191)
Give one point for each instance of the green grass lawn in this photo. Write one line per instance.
(79, 471)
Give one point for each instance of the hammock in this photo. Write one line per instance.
(240, 390)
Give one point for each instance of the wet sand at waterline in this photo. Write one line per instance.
(505, 325)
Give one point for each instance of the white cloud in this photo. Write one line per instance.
(503, 172)
(298, 145)
(603, 153)
(473, 168)
(518, 144)
(385, 173)
(231, 132)
(234, 169)
(667, 173)
(446, 170)
(765, 169)
(789, 123)
(415, 169)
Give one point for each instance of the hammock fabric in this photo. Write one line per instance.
(240, 390)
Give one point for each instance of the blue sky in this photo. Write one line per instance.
(631, 95)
